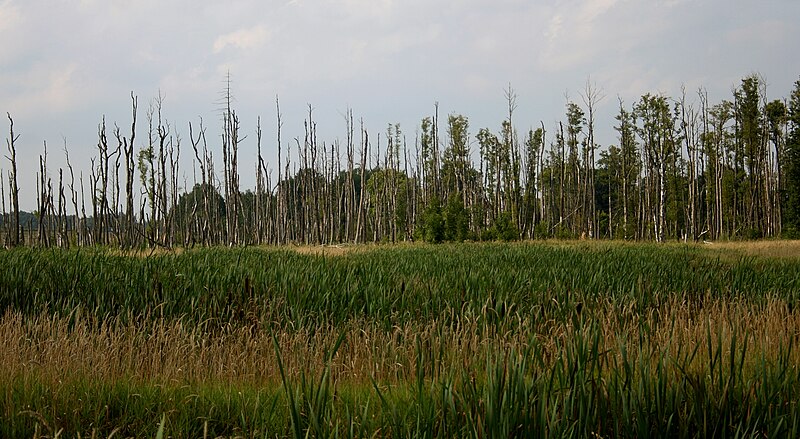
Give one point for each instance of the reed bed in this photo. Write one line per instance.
(464, 340)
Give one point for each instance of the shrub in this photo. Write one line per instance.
(432, 223)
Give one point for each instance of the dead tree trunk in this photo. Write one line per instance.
(12, 157)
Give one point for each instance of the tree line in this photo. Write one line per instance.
(680, 169)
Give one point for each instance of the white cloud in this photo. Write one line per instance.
(45, 88)
(591, 9)
(9, 15)
(554, 27)
(580, 34)
(243, 39)
(367, 9)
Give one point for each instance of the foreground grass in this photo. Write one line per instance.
(469, 340)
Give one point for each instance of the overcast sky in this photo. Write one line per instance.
(64, 64)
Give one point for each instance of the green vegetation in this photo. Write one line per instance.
(478, 340)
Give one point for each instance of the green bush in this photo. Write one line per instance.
(432, 223)
(456, 223)
(505, 227)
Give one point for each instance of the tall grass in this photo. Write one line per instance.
(463, 340)
(391, 285)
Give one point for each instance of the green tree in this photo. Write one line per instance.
(456, 221)
(629, 168)
(490, 166)
(751, 153)
(791, 198)
(776, 118)
(455, 160)
(530, 200)
(505, 228)
(429, 157)
(432, 223)
(575, 190)
(657, 132)
(609, 191)
(197, 213)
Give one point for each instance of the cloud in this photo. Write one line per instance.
(591, 9)
(9, 15)
(10, 21)
(45, 89)
(554, 27)
(766, 32)
(592, 31)
(242, 39)
(368, 9)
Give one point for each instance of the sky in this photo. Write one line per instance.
(66, 64)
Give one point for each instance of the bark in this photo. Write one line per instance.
(11, 143)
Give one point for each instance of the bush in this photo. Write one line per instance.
(752, 234)
(432, 223)
(542, 230)
(505, 227)
(790, 232)
(456, 223)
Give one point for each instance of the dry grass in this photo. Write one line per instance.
(171, 352)
(346, 249)
(328, 250)
(780, 249)
(768, 249)
(143, 253)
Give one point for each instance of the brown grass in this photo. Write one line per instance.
(327, 250)
(768, 249)
(171, 352)
(143, 253)
(345, 249)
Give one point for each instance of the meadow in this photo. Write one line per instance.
(547, 339)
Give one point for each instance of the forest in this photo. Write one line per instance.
(682, 168)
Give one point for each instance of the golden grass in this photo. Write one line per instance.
(769, 249)
(780, 249)
(327, 250)
(171, 352)
(147, 252)
(346, 249)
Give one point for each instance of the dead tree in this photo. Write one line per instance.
(591, 97)
(74, 195)
(128, 149)
(42, 199)
(12, 157)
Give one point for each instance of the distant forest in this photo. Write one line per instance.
(681, 169)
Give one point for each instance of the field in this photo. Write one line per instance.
(549, 339)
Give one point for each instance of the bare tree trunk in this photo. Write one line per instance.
(662, 191)
(282, 188)
(62, 212)
(688, 121)
(591, 97)
(12, 157)
(130, 172)
(360, 233)
(563, 160)
(42, 199)
(258, 208)
(350, 232)
(174, 160)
